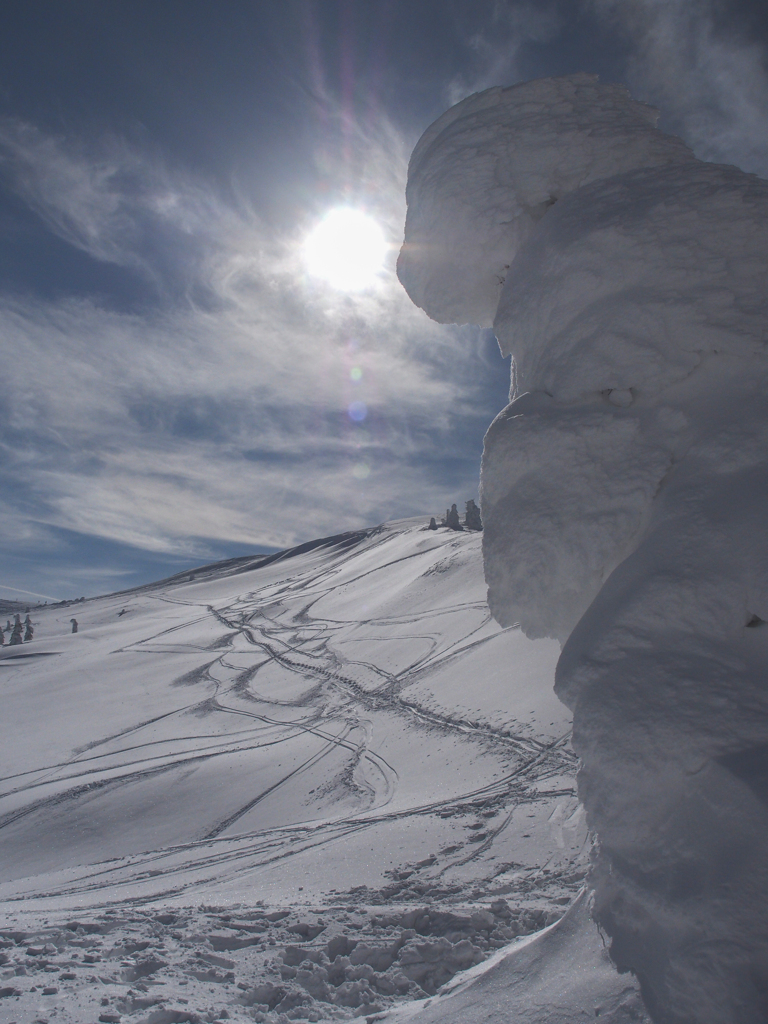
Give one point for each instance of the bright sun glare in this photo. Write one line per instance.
(346, 249)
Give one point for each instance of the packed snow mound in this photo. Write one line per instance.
(563, 975)
(623, 497)
(484, 174)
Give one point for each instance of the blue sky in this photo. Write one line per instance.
(175, 386)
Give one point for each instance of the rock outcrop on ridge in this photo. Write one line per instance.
(623, 493)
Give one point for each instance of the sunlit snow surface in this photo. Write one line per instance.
(343, 726)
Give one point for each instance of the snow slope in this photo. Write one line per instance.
(324, 736)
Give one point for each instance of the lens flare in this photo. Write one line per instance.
(346, 249)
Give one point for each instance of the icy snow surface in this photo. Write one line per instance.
(298, 788)
(624, 493)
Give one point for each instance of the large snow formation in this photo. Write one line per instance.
(624, 492)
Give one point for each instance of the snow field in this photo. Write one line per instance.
(319, 744)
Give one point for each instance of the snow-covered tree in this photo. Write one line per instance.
(472, 520)
(452, 518)
(623, 492)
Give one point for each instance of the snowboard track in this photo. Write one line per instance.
(322, 696)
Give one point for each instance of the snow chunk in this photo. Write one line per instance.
(566, 494)
(644, 292)
(628, 281)
(484, 174)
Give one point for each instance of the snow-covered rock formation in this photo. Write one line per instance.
(624, 493)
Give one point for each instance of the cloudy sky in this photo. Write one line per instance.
(176, 385)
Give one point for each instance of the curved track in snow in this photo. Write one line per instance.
(345, 715)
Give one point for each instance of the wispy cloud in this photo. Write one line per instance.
(703, 72)
(220, 411)
(495, 48)
(120, 205)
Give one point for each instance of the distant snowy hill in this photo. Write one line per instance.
(317, 747)
(12, 607)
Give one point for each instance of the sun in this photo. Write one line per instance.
(346, 249)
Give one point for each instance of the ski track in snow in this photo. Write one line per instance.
(316, 749)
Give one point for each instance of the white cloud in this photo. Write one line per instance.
(707, 78)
